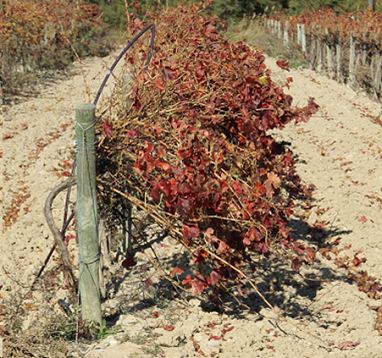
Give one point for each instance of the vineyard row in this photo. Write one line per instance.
(347, 60)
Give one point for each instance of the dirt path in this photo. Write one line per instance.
(339, 151)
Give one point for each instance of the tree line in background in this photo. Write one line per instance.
(114, 10)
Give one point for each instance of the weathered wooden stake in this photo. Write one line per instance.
(286, 35)
(377, 77)
(338, 57)
(299, 34)
(319, 50)
(279, 32)
(312, 47)
(87, 227)
(303, 39)
(352, 59)
(329, 56)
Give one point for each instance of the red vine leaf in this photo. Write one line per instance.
(162, 186)
(296, 264)
(209, 235)
(107, 129)
(199, 255)
(159, 84)
(199, 284)
(176, 271)
(189, 232)
(223, 247)
(214, 278)
(169, 74)
(283, 64)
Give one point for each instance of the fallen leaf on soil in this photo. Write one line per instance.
(348, 344)
(168, 327)
(29, 307)
(216, 338)
(224, 331)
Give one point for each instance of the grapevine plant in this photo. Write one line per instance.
(42, 34)
(190, 147)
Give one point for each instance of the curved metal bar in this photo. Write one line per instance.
(131, 43)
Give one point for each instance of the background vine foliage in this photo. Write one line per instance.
(190, 148)
(41, 35)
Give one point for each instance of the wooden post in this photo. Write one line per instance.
(319, 50)
(286, 35)
(299, 34)
(303, 39)
(352, 59)
(329, 56)
(372, 68)
(312, 47)
(279, 32)
(338, 58)
(87, 226)
(377, 76)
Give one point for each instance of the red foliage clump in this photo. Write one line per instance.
(196, 136)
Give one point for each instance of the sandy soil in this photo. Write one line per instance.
(337, 151)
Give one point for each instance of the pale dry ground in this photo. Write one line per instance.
(337, 151)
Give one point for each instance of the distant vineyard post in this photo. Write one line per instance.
(329, 56)
(303, 39)
(299, 34)
(319, 50)
(352, 59)
(279, 31)
(338, 59)
(345, 46)
(286, 35)
(312, 48)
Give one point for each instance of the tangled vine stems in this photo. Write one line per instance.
(168, 226)
(59, 243)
